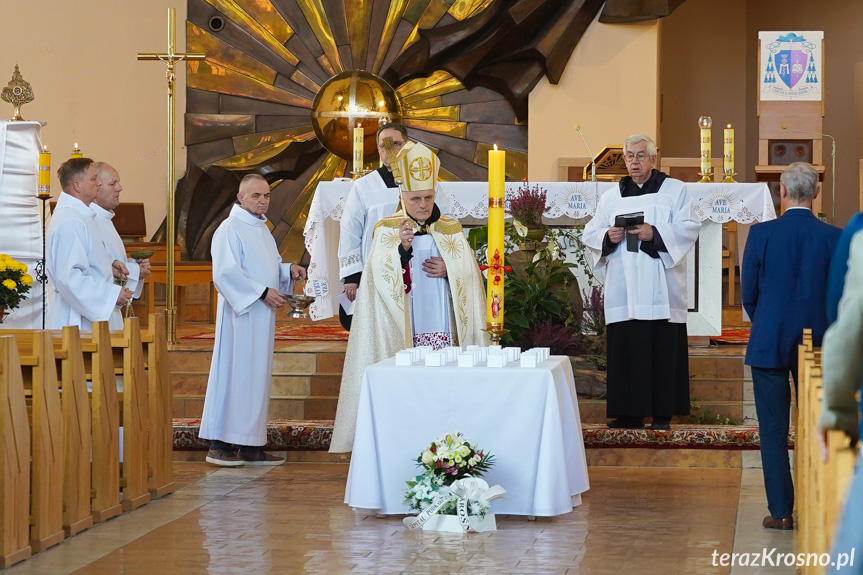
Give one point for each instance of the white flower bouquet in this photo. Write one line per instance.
(450, 486)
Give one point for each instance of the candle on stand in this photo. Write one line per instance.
(728, 150)
(76, 153)
(44, 188)
(496, 164)
(705, 123)
(358, 150)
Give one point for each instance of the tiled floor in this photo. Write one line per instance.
(291, 519)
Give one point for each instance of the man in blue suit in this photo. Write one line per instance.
(783, 284)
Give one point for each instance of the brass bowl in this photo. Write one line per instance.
(142, 254)
(299, 303)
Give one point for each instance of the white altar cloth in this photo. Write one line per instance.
(526, 417)
(719, 203)
(20, 213)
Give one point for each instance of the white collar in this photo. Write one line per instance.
(238, 212)
(69, 201)
(101, 212)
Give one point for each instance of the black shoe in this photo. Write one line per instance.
(661, 423)
(626, 423)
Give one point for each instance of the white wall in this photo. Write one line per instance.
(610, 87)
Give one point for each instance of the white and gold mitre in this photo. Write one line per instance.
(418, 166)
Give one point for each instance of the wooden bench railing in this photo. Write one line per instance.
(76, 441)
(820, 487)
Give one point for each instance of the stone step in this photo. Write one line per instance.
(741, 412)
(284, 362)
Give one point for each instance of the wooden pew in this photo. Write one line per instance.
(136, 421)
(820, 488)
(76, 433)
(46, 499)
(161, 433)
(15, 459)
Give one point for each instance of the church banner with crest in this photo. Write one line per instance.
(791, 66)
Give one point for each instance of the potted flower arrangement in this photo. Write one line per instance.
(15, 282)
(526, 206)
(448, 495)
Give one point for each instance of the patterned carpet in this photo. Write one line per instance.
(732, 336)
(679, 436)
(315, 435)
(295, 331)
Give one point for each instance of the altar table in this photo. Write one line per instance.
(714, 203)
(526, 417)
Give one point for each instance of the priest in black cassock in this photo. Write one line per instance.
(645, 289)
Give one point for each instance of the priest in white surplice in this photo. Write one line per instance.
(107, 199)
(421, 286)
(645, 289)
(81, 272)
(371, 198)
(250, 277)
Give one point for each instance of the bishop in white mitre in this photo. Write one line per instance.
(107, 200)
(81, 271)
(250, 277)
(371, 198)
(421, 286)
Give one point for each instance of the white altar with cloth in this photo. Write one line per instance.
(715, 204)
(538, 447)
(21, 239)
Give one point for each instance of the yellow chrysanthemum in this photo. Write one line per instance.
(2, 266)
(9, 284)
(27, 279)
(22, 267)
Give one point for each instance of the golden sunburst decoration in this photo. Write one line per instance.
(267, 64)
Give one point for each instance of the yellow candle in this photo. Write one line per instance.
(358, 149)
(44, 189)
(496, 163)
(76, 153)
(705, 150)
(728, 150)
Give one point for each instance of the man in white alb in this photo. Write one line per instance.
(81, 272)
(107, 199)
(421, 286)
(372, 198)
(250, 277)
(645, 289)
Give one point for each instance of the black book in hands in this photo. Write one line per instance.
(628, 222)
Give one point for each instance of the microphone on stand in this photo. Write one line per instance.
(592, 162)
(832, 169)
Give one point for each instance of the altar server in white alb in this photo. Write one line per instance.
(107, 200)
(81, 272)
(250, 277)
(421, 286)
(371, 198)
(645, 289)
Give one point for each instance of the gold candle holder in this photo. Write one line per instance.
(495, 331)
(76, 152)
(728, 177)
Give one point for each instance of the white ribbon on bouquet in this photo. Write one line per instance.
(463, 491)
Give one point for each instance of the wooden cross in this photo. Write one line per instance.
(171, 58)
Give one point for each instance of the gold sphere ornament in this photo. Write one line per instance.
(18, 92)
(349, 100)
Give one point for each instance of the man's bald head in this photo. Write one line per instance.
(108, 197)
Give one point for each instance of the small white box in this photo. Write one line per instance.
(405, 357)
(529, 359)
(451, 353)
(512, 353)
(496, 360)
(544, 351)
(435, 359)
(467, 359)
(494, 347)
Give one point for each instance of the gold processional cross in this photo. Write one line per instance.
(171, 58)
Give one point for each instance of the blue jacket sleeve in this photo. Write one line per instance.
(839, 267)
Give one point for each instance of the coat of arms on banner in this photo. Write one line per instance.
(791, 65)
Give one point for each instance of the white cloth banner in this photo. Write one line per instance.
(538, 447)
(20, 212)
(720, 203)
